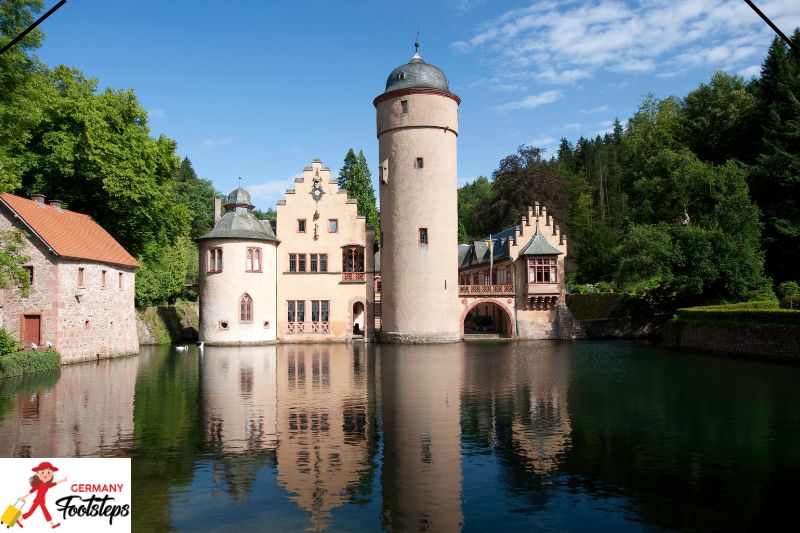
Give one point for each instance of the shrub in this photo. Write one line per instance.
(20, 363)
(772, 317)
(604, 287)
(8, 344)
(789, 294)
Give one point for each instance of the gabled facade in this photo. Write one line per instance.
(522, 268)
(81, 301)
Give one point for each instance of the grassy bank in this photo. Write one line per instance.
(20, 363)
(741, 315)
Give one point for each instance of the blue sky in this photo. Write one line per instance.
(258, 89)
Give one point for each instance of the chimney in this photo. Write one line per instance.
(56, 204)
(217, 209)
(38, 198)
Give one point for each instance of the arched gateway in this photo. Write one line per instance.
(488, 315)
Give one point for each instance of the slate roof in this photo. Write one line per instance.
(538, 245)
(239, 222)
(69, 234)
(416, 73)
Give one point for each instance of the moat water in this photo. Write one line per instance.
(476, 436)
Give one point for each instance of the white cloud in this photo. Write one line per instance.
(213, 142)
(598, 109)
(749, 72)
(562, 42)
(534, 100)
(156, 113)
(271, 191)
(544, 141)
(572, 126)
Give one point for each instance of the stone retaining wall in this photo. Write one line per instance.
(776, 342)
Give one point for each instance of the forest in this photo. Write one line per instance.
(695, 200)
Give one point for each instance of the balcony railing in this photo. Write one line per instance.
(295, 327)
(353, 277)
(486, 290)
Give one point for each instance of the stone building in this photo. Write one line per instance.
(237, 276)
(82, 283)
(417, 124)
(512, 282)
(325, 262)
(308, 279)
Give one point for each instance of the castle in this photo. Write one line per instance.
(313, 274)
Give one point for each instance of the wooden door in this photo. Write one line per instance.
(32, 330)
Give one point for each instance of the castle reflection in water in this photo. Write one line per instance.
(331, 420)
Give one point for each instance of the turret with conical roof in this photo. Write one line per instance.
(237, 280)
(417, 123)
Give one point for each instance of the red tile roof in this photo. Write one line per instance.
(68, 233)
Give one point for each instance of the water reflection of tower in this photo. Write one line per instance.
(325, 425)
(421, 481)
(240, 412)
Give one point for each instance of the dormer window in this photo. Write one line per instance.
(401, 76)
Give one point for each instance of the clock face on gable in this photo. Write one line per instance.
(316, 193)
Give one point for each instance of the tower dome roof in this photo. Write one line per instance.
(238, 197)
(416, 74)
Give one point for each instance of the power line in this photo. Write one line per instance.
(30, 28)
(792, 45)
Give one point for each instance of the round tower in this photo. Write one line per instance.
(417, 121)
(237, 277)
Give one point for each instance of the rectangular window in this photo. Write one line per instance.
(404, 106)
(119, 280)
(319, 310)
(423, 235)
(30, 274)
(301, 225)
(323, 262)
(253, 261)
(333, 225)
(81, 277)
(292, 311)
(419, 163)
(543, 270)
(215, 260)
(296, 311)
(314, 262)
(292, 262)
(104, 278)
(301, 262)
(301, 311)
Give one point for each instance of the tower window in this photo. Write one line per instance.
(423, 235)
(81, 277)
(253, 260)
(246, 308)
(120, 280)
(214, 260)
(104, 278)
(301, 225)
(404, 106)
(419, 163)
(401, 76)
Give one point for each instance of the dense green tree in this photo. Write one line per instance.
(164, 271)
(775, 178)
(717, 122)
(198, 195)
(356, 179)
(470, 196)
(269, 214)
(11, 260)
(520, 180)
(462, 232)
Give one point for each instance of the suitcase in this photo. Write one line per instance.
(11, 515)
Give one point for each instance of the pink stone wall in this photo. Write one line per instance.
(65, 308)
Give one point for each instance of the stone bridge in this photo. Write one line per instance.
(496, 301)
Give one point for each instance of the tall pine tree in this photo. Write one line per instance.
(355, 178)
(775, 178)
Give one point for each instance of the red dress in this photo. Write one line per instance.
(40, 490)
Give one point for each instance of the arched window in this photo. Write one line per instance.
(245, 308)
(214, 260)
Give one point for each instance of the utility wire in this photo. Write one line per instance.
(30, 28)
(794, 47)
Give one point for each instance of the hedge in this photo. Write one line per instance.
(772, 317)
(20, 363)
(763, 304)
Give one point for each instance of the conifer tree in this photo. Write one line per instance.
(775, 178)
(356, 179)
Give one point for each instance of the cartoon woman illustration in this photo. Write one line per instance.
(41, 482)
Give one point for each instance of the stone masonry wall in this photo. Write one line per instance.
(42, 298)
(96, 321)
(779, 342)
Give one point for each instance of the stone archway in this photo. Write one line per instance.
(358, 319)
(500, 318)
